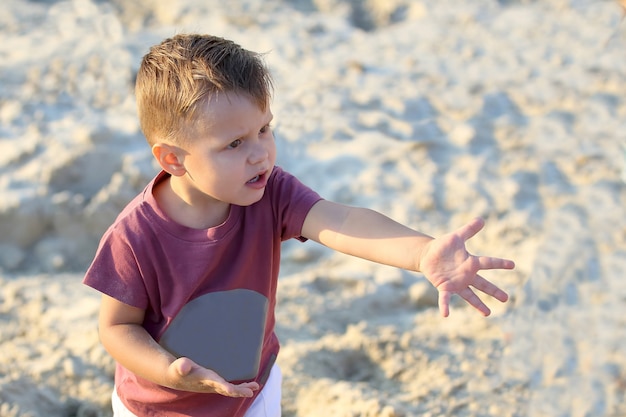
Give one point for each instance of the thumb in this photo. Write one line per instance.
(182, 366)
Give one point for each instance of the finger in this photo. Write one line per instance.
(245, 389)
(469, 296)
(488, 262)
(233, 391)
(444, 303)
(489, 288)
(470, 229)
(254, 386)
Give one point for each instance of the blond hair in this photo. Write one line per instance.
(181, 74)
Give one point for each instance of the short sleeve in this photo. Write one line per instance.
(292, 201)
(115, 272)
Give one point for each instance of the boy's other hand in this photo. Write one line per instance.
(448, 265)
(185, 375)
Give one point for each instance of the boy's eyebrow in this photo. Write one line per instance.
(266, 121)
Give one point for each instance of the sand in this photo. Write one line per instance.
(432, 112)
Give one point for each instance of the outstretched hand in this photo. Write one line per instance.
(448, 265)
(186, 375)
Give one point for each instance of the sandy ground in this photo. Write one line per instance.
(431, 112)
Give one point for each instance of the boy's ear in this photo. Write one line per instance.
(170, 158)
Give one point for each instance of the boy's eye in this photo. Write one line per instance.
(234, 143)
(265, 129)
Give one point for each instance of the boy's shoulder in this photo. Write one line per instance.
(136, 212)
(279, 179)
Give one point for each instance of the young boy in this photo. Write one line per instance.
(192, 262)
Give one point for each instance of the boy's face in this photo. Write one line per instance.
(232, 152)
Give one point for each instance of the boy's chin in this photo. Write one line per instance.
(252, 200)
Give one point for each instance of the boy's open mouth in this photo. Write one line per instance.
(255, 179)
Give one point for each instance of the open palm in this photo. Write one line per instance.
(189, 376)
(448, 265)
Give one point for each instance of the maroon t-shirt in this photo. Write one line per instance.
(148, 261)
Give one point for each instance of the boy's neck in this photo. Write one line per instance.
(181, 209)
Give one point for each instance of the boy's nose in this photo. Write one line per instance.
(259, 153)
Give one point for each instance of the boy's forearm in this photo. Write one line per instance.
(370, 235)
(133, 348)
(367, 234)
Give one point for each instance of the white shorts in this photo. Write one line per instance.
(266, 404)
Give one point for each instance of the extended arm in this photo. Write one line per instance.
(130, 345)
(444, 261)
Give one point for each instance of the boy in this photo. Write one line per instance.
(207, 231)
